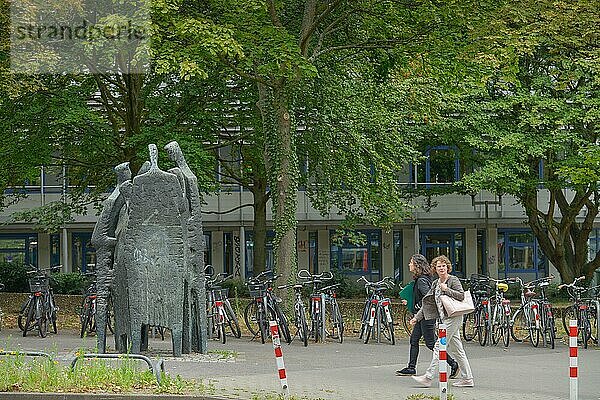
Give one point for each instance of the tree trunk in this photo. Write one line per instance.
(564, 242)
(260, 225)
(282, 168)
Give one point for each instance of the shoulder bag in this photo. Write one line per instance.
(455, 307)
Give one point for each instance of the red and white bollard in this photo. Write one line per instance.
(573, 359)
(443, 366)
(279, 356)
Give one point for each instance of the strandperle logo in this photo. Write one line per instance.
(85, 31)
(85, 36)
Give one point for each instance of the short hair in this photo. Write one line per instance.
(422, 266)
(443, 259)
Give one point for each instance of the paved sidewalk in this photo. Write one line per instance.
(353, 370)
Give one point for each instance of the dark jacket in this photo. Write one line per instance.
(429, 308)
(420, 289)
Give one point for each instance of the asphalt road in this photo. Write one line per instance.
(353, 370)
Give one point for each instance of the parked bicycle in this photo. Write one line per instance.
(302, 331)
(377, 314)
(547, 322)
(40, 308)
(220, 314)
(264, 307)
(525, 323)
(478, 323)
(87, 314)
(324, 323)
(583, 310)
(500, 320)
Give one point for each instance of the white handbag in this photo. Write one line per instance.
(455, 307)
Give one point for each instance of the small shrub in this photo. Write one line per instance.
(14, 277)
(69, 283)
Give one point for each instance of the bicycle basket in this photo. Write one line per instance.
(39, 284)
(221, 294)
(256, 290)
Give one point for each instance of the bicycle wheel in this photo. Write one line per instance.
(585, 329)
(370, 329)
(592, 317)
(110, 315)
(85, 316)
(469, 326)
(251, 318)
(519, 326)
(23, 313)
(30, 321)
(549, 332)
(41, 316)
(387, 327)
(284, 329)
(482, 326)
(497, 324)
(364, 319)
(317, 326)
(506, 330)
(221, 325)
(337, 323)
(534, 329)
(302, 324)
(568, 314)
(232, 320)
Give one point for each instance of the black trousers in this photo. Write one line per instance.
(426, 329)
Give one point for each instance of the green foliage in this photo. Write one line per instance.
(69, 283)
(237, 288)
(14, 277)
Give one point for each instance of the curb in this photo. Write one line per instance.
(100, 396)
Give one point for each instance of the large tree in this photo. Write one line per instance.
(294, 53)
(538, 111)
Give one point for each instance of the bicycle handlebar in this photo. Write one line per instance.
(39, 271)
(305, 274)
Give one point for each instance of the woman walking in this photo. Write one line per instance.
(432, 307)
(425, 328)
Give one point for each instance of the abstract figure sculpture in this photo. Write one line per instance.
(149, 245)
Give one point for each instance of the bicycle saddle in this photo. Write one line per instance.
(543, 284)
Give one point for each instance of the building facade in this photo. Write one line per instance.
(480, 234)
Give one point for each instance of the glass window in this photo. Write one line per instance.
(228, 252)
(445, 242)
(19, 248)
(398, 267)
(207, 248)
(84, 254)
(313, 249)
(593, 244)
(54, 249)
(358, 259)
(270, 255)
(441, 166)
(481, 252)
(518, 251)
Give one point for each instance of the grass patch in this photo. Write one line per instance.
(423, 396)
(224, 353)
(22, 374)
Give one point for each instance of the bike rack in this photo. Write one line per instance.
(26, 353)
(155, 369)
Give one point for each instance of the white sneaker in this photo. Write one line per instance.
(464, 383)
(423, 380)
